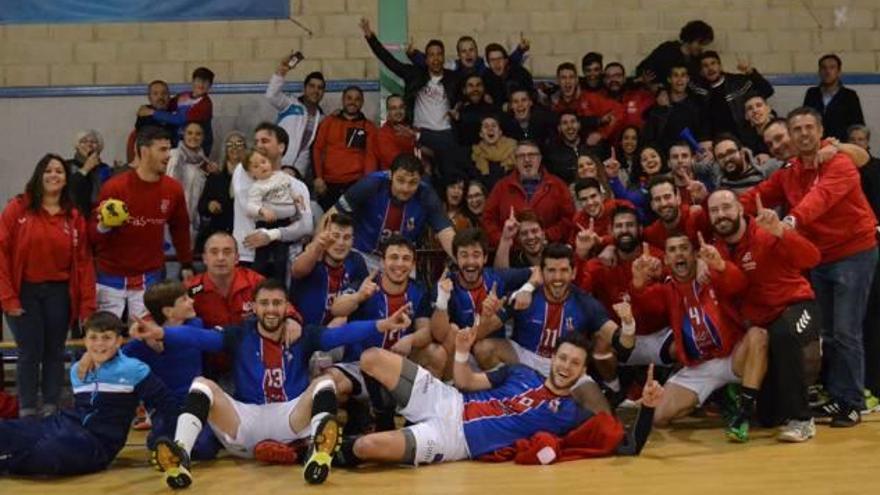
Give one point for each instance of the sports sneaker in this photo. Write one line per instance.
(729, 403)
(325, 443)
(826, 409)
(738, 429)
(846, 418)
(817, 395)
(872, 403)
(795, 431)
(141, 420)
(173, 460)
(273, 452)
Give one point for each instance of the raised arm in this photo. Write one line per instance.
(465, 378)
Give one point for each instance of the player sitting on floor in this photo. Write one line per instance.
(88, 437)
(491, 411)
(709, 339)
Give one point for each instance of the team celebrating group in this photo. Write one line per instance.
(598, 236)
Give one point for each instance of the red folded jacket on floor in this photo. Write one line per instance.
(599, 436)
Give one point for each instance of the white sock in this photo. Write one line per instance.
(188, 429)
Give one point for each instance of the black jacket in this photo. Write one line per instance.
(499, 88)
(561, 160)
(842, 111)
(663, 125)
(414, 77)
(216, 189)
(735, 90)
(540, 129)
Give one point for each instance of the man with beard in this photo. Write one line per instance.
(158, 98)
(563, 152)
(737, 169)
(273, 399)
(826, 204)
(709, 338)
(779, 300)
(723, 95)
(525, 229)
(395, 201)
(325, 268)
(153, 201)
(469, 113)
(634, 99)
(463, 291)
(345, 149)
(675, 112)
(591, 66)
(272, 141)
(530, 187)
(674, 217)
(611, 286)
(595, 218)
(485, 412)
(526, 121)
(377, 297)
(558, 309)
(299, 116)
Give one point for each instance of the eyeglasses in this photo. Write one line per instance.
(523, 156)
(235, 145)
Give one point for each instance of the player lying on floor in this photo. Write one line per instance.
(240, 424)
(492, 411)
(88, 437)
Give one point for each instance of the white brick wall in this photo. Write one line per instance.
(777, 36)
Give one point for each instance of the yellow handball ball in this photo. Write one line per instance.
(113, 213)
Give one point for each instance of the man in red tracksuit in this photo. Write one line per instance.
(130, 257)
(781, 300)
(345, 149)
(673, 216)
(826, 204)
(612, 285)
(708, 332)
(530, 187)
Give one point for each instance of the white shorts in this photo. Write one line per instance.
(437, 410)
(258, 422)
(352, 370)
(705, 378)
(647, 349)
(114, 300)
(539, 363)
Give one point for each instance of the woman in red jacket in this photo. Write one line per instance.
(47, 280)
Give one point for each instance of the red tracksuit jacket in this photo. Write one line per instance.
(551, 202)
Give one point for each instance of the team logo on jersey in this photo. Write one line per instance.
(748, 262)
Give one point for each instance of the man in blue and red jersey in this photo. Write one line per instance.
(325, 268)
(376, 298)
(781, 300)
(827, 205)
(484, 412)
(394, 202)
(709, 338)
(273, 399)
(130, 257)
(462, 291)
(612, 284)
(558, 308)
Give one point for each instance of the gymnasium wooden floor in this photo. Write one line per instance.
(693, 458)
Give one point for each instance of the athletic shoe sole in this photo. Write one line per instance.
(169, 459)
(324, 444)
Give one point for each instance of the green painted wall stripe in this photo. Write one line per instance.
(393, 30)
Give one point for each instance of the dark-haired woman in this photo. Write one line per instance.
(47, 280)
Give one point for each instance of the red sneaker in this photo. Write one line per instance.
(272, 452)
(141, 420)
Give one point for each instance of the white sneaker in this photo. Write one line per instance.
(795, 431)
